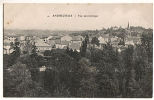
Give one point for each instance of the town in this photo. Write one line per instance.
(119, 37)
(112, 62)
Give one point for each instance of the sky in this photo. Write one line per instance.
(40, 16)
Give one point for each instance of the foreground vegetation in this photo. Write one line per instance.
(89, 73)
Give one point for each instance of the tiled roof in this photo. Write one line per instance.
(77, 38)
(57, 41)
(40, 42)
(51, 42)
(50, 37)
(66, 38)
(65, 42)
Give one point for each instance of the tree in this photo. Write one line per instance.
(16, 48)
(95, 41)
(121, 42)
(146, 42)
(27, 47)
(127, 56)
(15, 54)
(143, 64)
(32, 65)
(84, 46)
(96, 55)
(88, 85)
(122, 34)
(108, 73)
(34, 51)
(5, 60)
(87, 39)
(59, 78)
(21, 84)
(61, 91)
(74, 54)
(54, 46)
(47, 53)
(133, 88)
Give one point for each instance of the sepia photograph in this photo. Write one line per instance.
(78, 50)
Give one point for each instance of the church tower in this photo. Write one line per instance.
(128, 30)
(128, 26)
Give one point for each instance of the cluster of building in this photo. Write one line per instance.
(44, 43)
(71, 41)
(131, 37)
(115, 41)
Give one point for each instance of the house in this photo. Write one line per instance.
(113, 38)
(43, 68)
(129, 42)
(66, 43)
(49, 38)
(66, 38)
(56, 39)
(77, 39)
(51, 42)
(103, 39)
(115, 28)
(12, 38)
(22, 38)
(58, 45)
(44, 39)
(60, 42)
(7, 49)
(120, 48)
(42, 46)
(133, 40)
(63, 44)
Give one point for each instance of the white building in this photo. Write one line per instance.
(66, 38)
(63, 44)
(114, 38)
(129, 42)
(77, 39)
(41, 46)
(7, 49)
(12, 38)
(50, 37)
(22, 38)
(103, 39)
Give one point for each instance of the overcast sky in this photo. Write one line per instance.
(39, 16)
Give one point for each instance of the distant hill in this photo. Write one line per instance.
(40, 33)
(46, 33)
